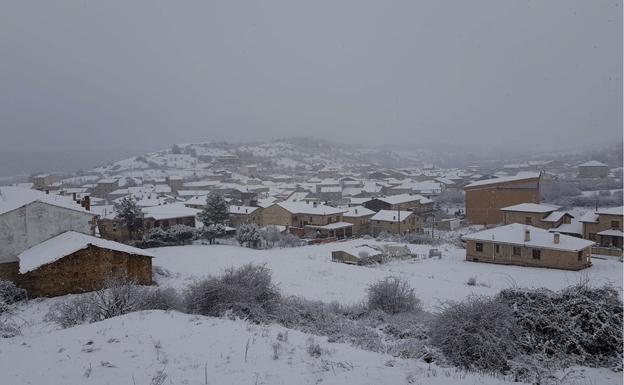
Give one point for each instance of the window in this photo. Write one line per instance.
(615, 224)
(528, 220)
(479, 246)
(517, 251)
(497, 249)
(537, 254)
(580, 255)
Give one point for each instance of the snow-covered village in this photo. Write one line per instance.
(286, 193)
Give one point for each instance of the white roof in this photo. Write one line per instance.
(332, 226)
(173, 210)
(589, 217)
(12, 198)
(575, 227)
(531, 208)
(520, 176)
(540, 238)
(358, 211)
(391, 215)
(242, 209)
(404, 198)
(612, 211)
(308, 208)
(65, 244)
(556, 216)
(612, 232)
(593, 163)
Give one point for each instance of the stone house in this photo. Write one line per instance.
(485, 198)
(29, 217)
(413, 202)
(604, 227)
(518, 244)
(534, 214)
(245, 214)
(360, 217)
(395, 222)
(593, 170)
(301, 214)
(73, 262)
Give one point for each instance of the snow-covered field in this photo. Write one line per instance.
(186, 349)
(308, 271)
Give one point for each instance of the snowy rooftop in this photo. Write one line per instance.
(391, 215)
(332, 226)
(12, 198)
(168, 211)
(589, 217)
(309, 208)
(520, 176)
(404, 198)
(532, 208)
(612, 232)
(242, 209)
(65, 244)
(575, 227)
(556, 216)
(539, 238)
(358, 211)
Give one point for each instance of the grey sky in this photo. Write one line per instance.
(141, 74)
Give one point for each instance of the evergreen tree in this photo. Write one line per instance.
(248, 234)
(216, 210)
(213, 231)
(130, 215)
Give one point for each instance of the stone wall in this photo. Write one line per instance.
(85, 270)
(483, 203)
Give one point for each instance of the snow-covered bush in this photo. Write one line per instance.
(9, 293)
(212, 232)
(246, 292)
(472, 281)
(270, 235)
(157, 298)
(392, 295)
(451, 196)
(479, 333)
(171, 236)
(248, 235)
(414, 238)
(290, 240)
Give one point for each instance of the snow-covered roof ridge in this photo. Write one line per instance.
(167, 211)
(358, 211)
(540, 238)
(391, 215)
(532, 208)
(242, 209)
(65, 244)
(619, 210)
(12, 198)
(592, 163)
(309, 208)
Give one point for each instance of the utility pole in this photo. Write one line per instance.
(399, 218)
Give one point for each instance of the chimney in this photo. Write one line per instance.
(74, 196)
(314, 204)
(356, 211)
(556, 238)
(527, 235)
(47, 192)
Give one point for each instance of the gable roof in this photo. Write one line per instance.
(404, 198)
(556, 216)
(593, 163)
(65, 244)
(168, 211)
(358, 211)
(611, 211)
(242, 209)
(307, 208)
(391, 215)
(531, 208)
(12, 198)
(540, 238)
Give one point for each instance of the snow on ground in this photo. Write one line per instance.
(308, 271)
(135, 348)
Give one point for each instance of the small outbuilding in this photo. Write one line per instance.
(73, 262)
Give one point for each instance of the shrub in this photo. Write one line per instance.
(156, 298)
(478, 333)
(246, 292)
(248, 235)
(10, 294)
(472, 281)
(76, 311)
(290, 240)
(392, 295)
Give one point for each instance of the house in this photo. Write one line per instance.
(29, 217)
(605, 227)
(395, 222)
(47, 246)
(105, 187)
(301, 214)
(534, 214)
(44, 181)
(523, 245)
(593, 170)
(73, 262)
(359, 217)
(485, 198)
(245, 214)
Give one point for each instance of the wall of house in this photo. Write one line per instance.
(483, 204)
(521, 217)
(411, 225)
(361, 225)
(605, 222)
(34, 223)
(86, 270)
(277, 215)
(558, 259)
(301, 220)
(238, 219)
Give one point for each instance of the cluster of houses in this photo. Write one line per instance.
(58, 237)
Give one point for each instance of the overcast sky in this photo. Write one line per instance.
(145, 74)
